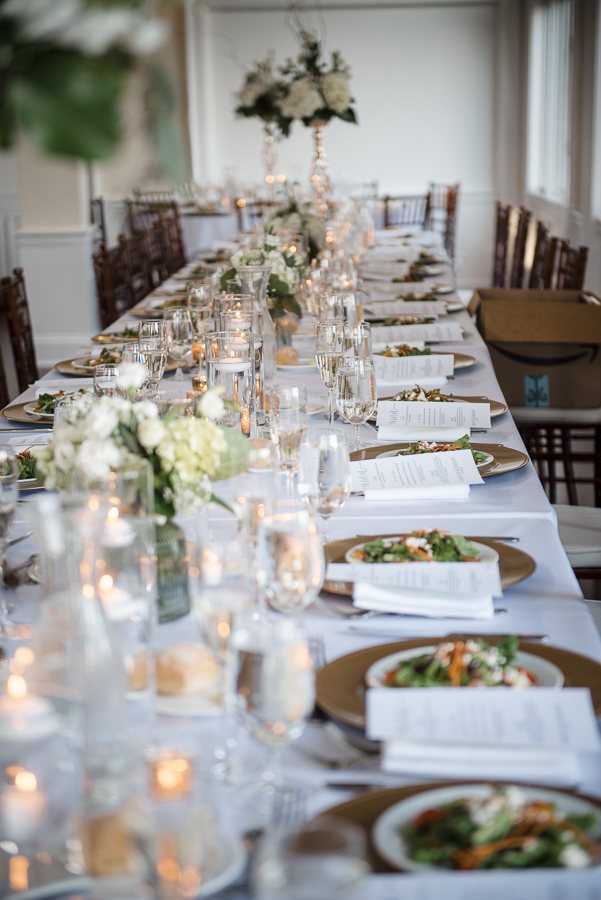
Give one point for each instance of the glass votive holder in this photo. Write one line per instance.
(170, 774)
(230, 365)
(199, 383)
(105, 383)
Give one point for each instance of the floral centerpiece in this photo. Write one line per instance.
(186, 455)
(298, 216)
(260, 96)
(288, 269)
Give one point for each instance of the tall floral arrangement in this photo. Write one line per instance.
(298, 216)
(261, 94)
(317, 91)
(288, 269)
(186, 454)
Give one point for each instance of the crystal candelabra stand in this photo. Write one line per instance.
(270, 152)
(320, 170)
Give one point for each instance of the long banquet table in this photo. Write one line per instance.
(547, 603)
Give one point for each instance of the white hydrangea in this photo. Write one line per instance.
(256, 84)
(302, 100)
(151, 432)
(211, 404)
(132, 376)
(336, 91)
(95, 459)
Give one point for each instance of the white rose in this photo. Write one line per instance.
(151, 432)
(211, 406)
(302, 100)
(336, 91)
(145, 409)
(101, 421)
(95, 458)
(64, 456)
(131, 376)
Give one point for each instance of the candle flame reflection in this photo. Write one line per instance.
(16, 686)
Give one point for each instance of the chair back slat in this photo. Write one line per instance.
(580, 273)
(549, 263)
(409, 210)
(112, 283)
(14, 295)
(501, 238)
(516, 276)
(536, 279)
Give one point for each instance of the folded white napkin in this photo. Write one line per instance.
(443, 760)
(439, 492)
(420, 433)
(420, 603)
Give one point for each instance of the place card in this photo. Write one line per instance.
(408, 308)
(430, 475)
(27, 440)
(444, 578)
(407, 368)
(397, 414)
(435, 333)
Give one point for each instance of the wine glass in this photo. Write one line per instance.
(324, 477)
(288, 422)
(329, 350)
(330, 306)
(180, 336)
(357, 340)
(9, 491)
(200, 293)
(153, 330)
(290, 560)
(274, 683)
(356, 396)
(203, 320)
(154, 359)
(254, 494)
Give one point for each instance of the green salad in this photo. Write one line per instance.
(500, 831)
(405, 350)
(26, 464)
(422, 395)
(436, 447)
(408, 320)
(419, 546)
(46, 402)
(410, 298)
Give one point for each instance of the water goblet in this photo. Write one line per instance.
(180, 336)
(356, 396)
(324, 477)
(357, 340)
(154, 359)
(200, 293)
(329, 350)
(153, 330)
(288, 423)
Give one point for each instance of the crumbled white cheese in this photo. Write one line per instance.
(574, 857)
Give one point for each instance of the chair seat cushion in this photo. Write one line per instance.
(580, 534)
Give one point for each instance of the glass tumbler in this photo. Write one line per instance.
(230, 365)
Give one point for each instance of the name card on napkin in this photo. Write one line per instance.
(399, 477)
(409, 414)
(535, 717)
(408, 308)
(406, 368)
(27, 439)
(473, 578)
(435, 333)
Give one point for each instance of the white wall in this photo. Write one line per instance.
(424, 78)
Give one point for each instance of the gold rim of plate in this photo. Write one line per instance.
(340, 685)
(111, 339)
(514, 564)
(16, 413)
(66, 367)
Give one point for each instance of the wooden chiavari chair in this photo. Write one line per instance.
(549, 263)
(14, 296)
(113, 283)
(98, 220)
(441, 211)
(405, 211)
(571, 269)
(4, 395)
(449, 229)
(135, 248)
(501, 238)
(516, 276)
(159, 254)
(536, 278)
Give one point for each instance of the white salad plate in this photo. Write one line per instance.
(314, 408)
(225, 865)
(487, 554)
(546, 673)
(454, 306)
(390, 844)
(441, 288)
(30, 409)
(432, 271)
(390, 453)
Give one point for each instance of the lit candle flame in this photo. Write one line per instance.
(26, 781)
(16, 687)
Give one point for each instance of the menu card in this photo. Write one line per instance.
(410, 420)
(408, 308)
(489, 733)
(439, 577)
(433, 333)
(406, 368)
(427, 475)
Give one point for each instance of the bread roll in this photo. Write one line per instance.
(287, 356)
(186, 669)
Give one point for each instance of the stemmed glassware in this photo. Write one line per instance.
(324, 477)
(153, 330)
(275, 693)
(329, 350)
(154, 358)
(290, 560)
(9, 491)
(330, 306)
(255, 493)
(200, 293)
(105, 383)
(288, 422)
(356, 396)
(357, 340)
(180, 336)
(203, 320)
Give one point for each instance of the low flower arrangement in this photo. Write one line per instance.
(187, 454)
(288, 269)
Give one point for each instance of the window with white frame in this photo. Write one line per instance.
(549, 99)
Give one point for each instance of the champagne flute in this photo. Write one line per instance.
(290, 558)
(324, 477)
(288, 422)
(356, 396)
(154, 359)
(9, 491)
(329, 350)
(275, 693)
(180, 336)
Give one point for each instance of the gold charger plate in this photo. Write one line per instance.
(340, 685)
(461, 360)
(507, 459)
(30, 485)
(151, 312)
(16, 413)
(496, 407)
(66, 367)
(514, 564)
(112, 339)
(366, 808)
